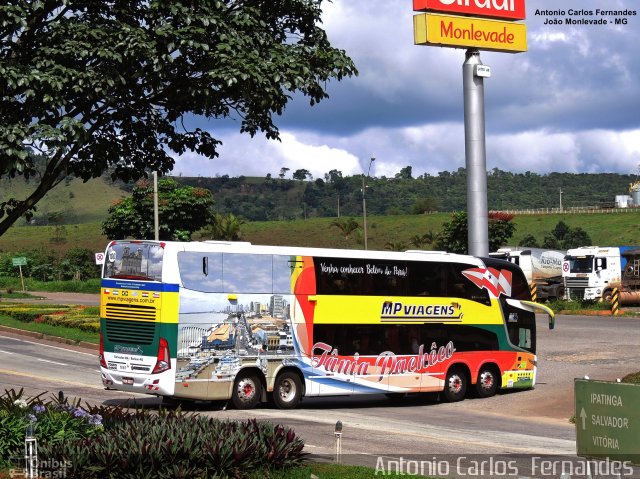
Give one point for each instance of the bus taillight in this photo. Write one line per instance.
(103, 363)
(164, 358)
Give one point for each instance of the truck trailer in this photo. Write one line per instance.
(540, 266)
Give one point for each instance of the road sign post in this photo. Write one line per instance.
(608, 420)
(20, 261)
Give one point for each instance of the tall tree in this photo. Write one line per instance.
(182, 211)
(454, 234)
(106, 85)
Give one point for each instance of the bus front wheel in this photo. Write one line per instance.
(287, 390)
(455, 385)
(247, 390)
(488, 382)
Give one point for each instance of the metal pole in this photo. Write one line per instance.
(364, 212)
(475, 153)
(364, 202)
(156, 227)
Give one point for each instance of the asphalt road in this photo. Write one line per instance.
(512, 426)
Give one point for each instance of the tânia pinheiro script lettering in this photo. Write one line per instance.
(476, 466)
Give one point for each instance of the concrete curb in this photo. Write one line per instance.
(54, 339)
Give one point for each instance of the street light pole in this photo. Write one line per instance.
(364, 201)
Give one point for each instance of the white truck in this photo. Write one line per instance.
(540, 266)
(591, 272)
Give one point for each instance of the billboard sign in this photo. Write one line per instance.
(502, 9)
(607, 420)
(468, 32)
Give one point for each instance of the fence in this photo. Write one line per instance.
(568, 211)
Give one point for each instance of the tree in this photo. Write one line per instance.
(576, 237)
(224, 227)
(453, 237)
(182, 210)
(346, 225)
(302, 174)
(565, 237)
(454, 234)
(283, 171)
(405, 173)
(105, 86)
(529, 241)
(419, 241)
(425, 205)
(333, 176)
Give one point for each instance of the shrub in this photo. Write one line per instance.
(173, 444)
(53, 421)
(112, 442)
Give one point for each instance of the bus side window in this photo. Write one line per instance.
(201, 271)
(249, 273)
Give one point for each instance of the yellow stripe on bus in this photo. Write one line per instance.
(399, 310)
(166, 305)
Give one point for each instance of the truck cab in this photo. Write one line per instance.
(591, 272)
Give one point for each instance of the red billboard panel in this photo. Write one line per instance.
(502, 9)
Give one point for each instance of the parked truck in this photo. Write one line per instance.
(540, 266)
(590, 273)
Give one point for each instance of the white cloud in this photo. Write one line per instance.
(568, 104)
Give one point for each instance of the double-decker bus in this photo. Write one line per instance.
(247, 323)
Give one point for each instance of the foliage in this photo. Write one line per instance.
(69, 335)
(53, 421)
(87, 442)
(258, 199)
(396, 246)
(69, 316)
(347, 226)
(333, 471)
(529, 241)
(425, 205)
(223, 227)
(45, 265)
(96, 86)
(454, 234)
(420, 241)
(633, 378)
(564, 237)
(173, 444)
(181, 210)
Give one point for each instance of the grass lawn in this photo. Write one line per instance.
(73, 334)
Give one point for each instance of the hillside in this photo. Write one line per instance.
(604, 229)
(71, 202)
(71, 215)
(264, 199)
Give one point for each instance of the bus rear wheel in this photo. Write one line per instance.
(287, 391)
(488, 382)
(455, 385)
(247, 390)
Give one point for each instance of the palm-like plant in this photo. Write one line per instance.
(346, 225)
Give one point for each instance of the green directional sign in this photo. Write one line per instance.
(19, 261)
(608, 420)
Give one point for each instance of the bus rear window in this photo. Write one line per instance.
(138, 261)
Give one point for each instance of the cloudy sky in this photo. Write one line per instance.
(571, 103)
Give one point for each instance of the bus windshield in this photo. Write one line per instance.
(139, 261)
(582, 264)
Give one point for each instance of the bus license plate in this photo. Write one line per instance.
(127, 381)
